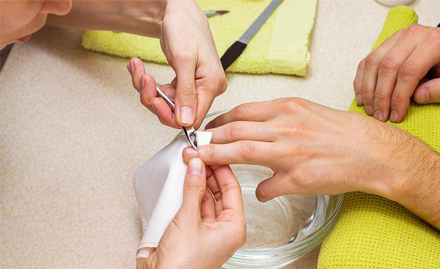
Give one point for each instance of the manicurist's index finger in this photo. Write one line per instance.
(229, 187)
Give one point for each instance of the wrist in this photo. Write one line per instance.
(140, 17)
(143, 17)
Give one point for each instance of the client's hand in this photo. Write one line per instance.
(389, 76)
(205, 232)
(316, 149)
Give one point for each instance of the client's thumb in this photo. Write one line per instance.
(428, 92)
(194, 187)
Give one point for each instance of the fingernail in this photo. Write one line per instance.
(195, 167)
(369, 110)
(425, 95)
(359, 100)
(142, 82)
(393, 116)
(378, 115)
(129, 68)
(191, 153)
(186, 115)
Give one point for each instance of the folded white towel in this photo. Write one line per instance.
(158, 187)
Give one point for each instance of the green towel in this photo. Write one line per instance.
(281, 46)
(373, 232)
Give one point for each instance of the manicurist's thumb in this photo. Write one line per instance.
(194, 186)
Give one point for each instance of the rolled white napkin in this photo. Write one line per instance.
(158, 186)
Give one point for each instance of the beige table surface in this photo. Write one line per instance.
(73, 133)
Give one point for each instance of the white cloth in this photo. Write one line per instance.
(158, 186)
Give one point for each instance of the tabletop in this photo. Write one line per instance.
(73, 132)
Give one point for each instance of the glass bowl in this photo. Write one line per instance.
(282, 230)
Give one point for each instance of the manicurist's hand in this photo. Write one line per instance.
(188, 45)
(389, 76)
(186, 41)
(204, 233)
(318, 150)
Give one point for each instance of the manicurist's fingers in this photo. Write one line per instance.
(208, 207)
(230, 189)
(160, 107)
(186, 94)
(242, 130)
(204, 102)
(428, 92)
(194, 188)
(136, 69)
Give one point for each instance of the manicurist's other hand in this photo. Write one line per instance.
(389, 76)
(188, 45)
(318, 150)
(205, 232)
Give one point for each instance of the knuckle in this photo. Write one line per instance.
(380, 97)
(371, 59)
(210, 152)
(240, 112)
(187, 93)
(398, 99)
(408, 70)
(182, 56)
(387, 65)
(163, 121)
(195, 186)
(145, 101)
(223, 84)
(357, 83)
(433, 37)
(187, 90)
(414, 29)
(293, 105)
(236, 130)
(301, 178)
(361, 63)
(246, 150)
(366, 90)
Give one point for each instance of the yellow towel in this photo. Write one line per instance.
(373, 232)
(281, 45)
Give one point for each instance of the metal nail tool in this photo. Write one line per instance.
(189, 132)
(210, 13)
(235, 50)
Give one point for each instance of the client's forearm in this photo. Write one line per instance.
(419, 191)
(142, 17)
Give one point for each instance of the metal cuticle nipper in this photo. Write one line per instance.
(189, 132)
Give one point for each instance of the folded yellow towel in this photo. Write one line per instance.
(281, 45)
(373, 232)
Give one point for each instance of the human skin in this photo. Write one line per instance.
(180, 25)
(21, 18)
(390, 75)
(186, 41)
(205, 233)
(318, 150)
